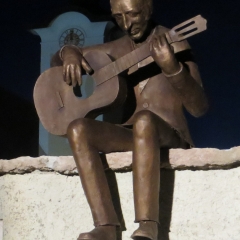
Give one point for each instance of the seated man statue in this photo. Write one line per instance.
(161, 90)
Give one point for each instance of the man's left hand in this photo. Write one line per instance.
(163, 54)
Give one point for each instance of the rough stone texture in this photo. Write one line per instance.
(195, 158)
(206, 205)
(51, 206)
(42, 198)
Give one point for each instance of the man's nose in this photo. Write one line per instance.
(126, 22)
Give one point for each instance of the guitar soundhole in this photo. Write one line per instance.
(86, 89)
(77, 91)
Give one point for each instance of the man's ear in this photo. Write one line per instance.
(147, 11)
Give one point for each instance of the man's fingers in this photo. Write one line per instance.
(165, 44)
(78, 75)
(64, 72)
(160, 41)
(86, 66)
(72, 74)
(163, 40)
(157, 44)
(67, 75)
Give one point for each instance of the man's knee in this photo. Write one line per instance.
(77, 129)
(144, 123)
(149, 126)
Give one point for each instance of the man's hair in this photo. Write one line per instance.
(148, 3)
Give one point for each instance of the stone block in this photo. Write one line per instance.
(42, 198)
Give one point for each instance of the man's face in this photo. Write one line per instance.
(131, 16)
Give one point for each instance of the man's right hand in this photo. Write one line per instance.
(73, 63)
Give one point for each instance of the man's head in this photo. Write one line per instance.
(132, 16)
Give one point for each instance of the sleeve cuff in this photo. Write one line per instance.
(71, 46)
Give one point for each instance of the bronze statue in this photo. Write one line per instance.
(161, 90)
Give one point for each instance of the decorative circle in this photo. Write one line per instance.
(72, 36)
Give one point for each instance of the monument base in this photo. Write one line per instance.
(42, 203)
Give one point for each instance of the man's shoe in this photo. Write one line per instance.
(100, 233)
(147, 229)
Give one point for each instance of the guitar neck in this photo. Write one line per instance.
(123, 63)
(178, 33)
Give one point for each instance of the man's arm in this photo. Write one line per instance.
(74, 64)
(181, 72)
(187, 84)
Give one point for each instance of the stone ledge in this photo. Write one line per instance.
(179, 159)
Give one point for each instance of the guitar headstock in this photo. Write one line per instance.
(187, 29)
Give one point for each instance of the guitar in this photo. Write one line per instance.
(56, 103)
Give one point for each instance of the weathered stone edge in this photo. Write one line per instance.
(179, 159)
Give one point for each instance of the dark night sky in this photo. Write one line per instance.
(217, 52)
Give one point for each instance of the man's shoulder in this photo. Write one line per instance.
(159, 29)
(178, 46)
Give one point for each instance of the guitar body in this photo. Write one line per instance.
(55, 101)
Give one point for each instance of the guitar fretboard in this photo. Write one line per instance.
(123, 63)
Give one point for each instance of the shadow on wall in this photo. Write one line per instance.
(18, 127)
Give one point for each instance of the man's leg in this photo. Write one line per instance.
(87, 138)
(150, 133)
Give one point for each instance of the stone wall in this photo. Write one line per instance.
(42, 198)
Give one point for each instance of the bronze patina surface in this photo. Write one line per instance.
(153, 117)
